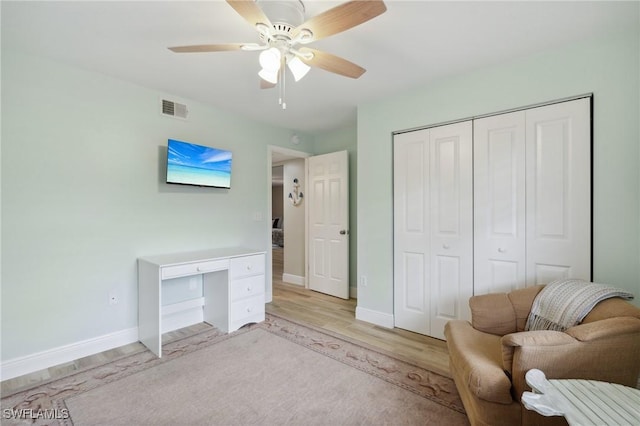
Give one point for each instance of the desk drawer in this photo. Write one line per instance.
(247, 308)
(246, 266)
(194, 268)
(247, 287)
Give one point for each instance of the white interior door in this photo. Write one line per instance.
(559, 192)
(411, 229)
(532, 197)
(328, 224)
(499, 203)
(433, 236)
(451, 224)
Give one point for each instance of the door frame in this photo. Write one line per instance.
(293, 154)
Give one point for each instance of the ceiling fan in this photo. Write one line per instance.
(285, 36)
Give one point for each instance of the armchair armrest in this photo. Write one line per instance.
(605, 352)
(539, 338)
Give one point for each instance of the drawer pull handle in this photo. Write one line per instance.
(446, 246)
(249, 309)
(199, 269)
(248, 267)
(249, 288)
(502, 250)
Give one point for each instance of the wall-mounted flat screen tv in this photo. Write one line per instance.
(191, 164)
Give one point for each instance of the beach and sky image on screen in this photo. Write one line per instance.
(193, 164)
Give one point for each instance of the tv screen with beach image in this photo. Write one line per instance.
(191, 164)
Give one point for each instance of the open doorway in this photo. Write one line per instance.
(287, 232)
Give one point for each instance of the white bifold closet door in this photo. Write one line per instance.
(532, 197)
(489, 205)
(433, 232)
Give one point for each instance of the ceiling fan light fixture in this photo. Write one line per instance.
(269, 75)
(298, 68)
(270, 59)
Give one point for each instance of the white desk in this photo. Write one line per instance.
(582, 402)
(233, 289)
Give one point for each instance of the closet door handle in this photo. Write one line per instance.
(344, 232)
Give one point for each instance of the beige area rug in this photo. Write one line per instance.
(274, 373)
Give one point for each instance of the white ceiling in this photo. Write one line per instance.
(412, 44)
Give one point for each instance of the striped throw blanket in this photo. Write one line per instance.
(564, 303)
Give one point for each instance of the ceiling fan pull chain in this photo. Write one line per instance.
(283, 73)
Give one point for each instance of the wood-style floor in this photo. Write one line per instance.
(293, 302)
(338, 316)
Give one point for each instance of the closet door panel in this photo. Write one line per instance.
(499, 203)
(559, 192)
(411, 231)
(451, 224)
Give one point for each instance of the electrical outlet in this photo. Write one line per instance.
(363, 280)
(113, 297)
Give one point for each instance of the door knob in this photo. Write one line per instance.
(344, 232)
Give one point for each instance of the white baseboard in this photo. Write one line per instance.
(293, 279)
(67, 353)
(374, 317)
(62, 354)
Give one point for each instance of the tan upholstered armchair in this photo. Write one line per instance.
(490, 356)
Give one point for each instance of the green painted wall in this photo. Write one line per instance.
(83, 196)
(609, 67)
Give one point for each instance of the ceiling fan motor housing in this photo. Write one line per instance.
(284, 15)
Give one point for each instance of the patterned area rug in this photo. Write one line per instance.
(275, 372)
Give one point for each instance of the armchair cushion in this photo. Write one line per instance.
(605, 328)
(493, 314)
(611, 308)
(522, 299)
(502, 313)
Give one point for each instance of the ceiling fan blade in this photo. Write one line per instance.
(332, 63)
(207, 48)
(341, 18)
(251, 12)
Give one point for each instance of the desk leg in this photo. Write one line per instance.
(149, 307)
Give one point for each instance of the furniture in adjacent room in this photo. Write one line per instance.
(582, 402)
(489, 356)
(490, 204)
(233, 288)
(277, 232)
